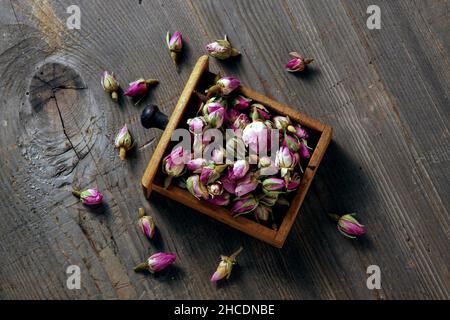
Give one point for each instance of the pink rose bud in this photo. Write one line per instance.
(263, 213)
(222, 49)
(273, 184)
(243, 205)
(259, 112)
(350, 227)
(267, 167)
(304, 150)
(123, 142)
(291, 142)
(175, 45)
(225, 266)
(256, 135)
(147, 224)
(218, 156)
(232, 115)
(89, 197)
(298, 63)
(215, 189)
(241, 103)
(246, 185)
(293, 183)
(286, 160)
(196, 165)
(281, 123)
(239, 170)
(175, 163)
(229, 185)
(110, 84)
(228, 85)
(196, 188)
(209, 175)
(299, 131)
(139, 88)
(222, 200)
(157, 262)
(196, 125)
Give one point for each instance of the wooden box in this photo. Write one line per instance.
(152, 180)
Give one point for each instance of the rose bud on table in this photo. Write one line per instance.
(147, 224)
(139, 88)
(110, 85)
(175, 45)
(124, 142)
(298, 63)
(222, 49)
(157, 262)
(349, 226)
(89, 197)
(225, 266)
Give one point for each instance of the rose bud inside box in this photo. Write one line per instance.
(235, 155)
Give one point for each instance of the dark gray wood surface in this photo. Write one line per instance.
(385, 92)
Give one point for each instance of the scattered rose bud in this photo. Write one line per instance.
(124, 142)
(241, 103)
(239, 170)
(89, 197)
(273, 184)
(222, 49)
(139, 88)
(222, 200)
(225, 267)
(349, 226)
(175, 45)
(259, 112)
(298, 63)
(147, 224)
(110, 84)
(196, 188)
(157, 262)
(243, 205)
(246, 185)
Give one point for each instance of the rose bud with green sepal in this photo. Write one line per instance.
(273, 184)
(197, 188)
(223, 200)
(157, 262)
(124, 142)
(89, 197)
(259, 112)
(175, 45)
(222, 49)
(110, 85)
(247, 184)
(297, 63)
(349, 226)
(244, 205)
(147, 224)
(139, 88)
(241, 103)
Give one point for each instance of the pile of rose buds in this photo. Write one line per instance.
(254, 183)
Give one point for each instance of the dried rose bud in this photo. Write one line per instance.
(267, 167)
(89, 197)
(215, 189)
(175, 45)
(124, 142)
(256, 135)
(196, 125)
(214, 112)
(225, 266)
(286, 160)
(196, 165)
(273, 184)
(281, 123)
(196, 188)
(269, 199)
(218, 155)
(259, 112)
(299, 131)
(174, 164)
(240, 124)
(232, 115)
(243, 205)
(291, 142)
(222, 200)
(139, 88)
(239, 170)
(298, 63)
(229, 185)
(147, 224)
(110, 84)
(157, 262)
(304, 150)
(222, 49)
(224, 86)
(209, 174)
(241, 103)
(349, 226)
(263, 213)
(246, 185)
(293, 183)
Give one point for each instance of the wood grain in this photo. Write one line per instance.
(385, 92)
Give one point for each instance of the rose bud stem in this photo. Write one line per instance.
(238, 252)
(76, 193)
(141, 212)
(153, 118)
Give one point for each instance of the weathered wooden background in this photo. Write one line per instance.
(385, 92)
